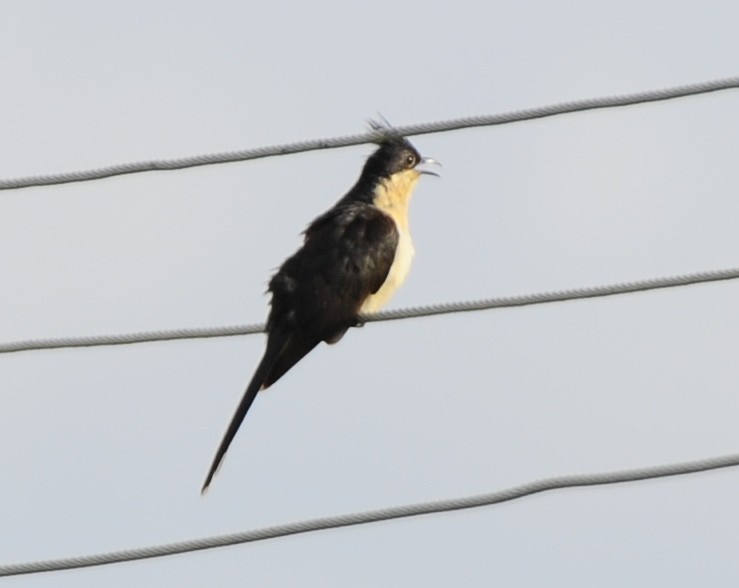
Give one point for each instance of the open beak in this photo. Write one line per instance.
(428, 160)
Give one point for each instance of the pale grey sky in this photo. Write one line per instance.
(106, 448)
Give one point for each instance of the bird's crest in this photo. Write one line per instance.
(383, 131)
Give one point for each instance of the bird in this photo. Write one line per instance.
(353, 258)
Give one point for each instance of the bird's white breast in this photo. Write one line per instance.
(397, 274)
(392, 197)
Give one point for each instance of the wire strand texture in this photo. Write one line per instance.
(362, 518)
(400, 314)
(358, 139)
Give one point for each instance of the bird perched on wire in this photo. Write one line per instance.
(353, 258)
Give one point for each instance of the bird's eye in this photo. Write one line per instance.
(410, 160)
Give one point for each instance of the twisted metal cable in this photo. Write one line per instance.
(372, 516)
(131, 338)
(390, 315)
(358, 139)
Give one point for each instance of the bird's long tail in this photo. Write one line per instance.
(282, 353)
(275, 345)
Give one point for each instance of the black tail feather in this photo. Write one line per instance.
(292, 352)
(275, 345)
(282, 353)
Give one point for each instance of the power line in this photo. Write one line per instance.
(372, 516)
(358, 139)
(390, 315)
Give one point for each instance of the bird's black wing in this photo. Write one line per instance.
(346, 256)
(317, 294)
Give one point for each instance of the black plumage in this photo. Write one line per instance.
(345, 258)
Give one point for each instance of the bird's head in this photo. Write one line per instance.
(395, 155)
(391, 172)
